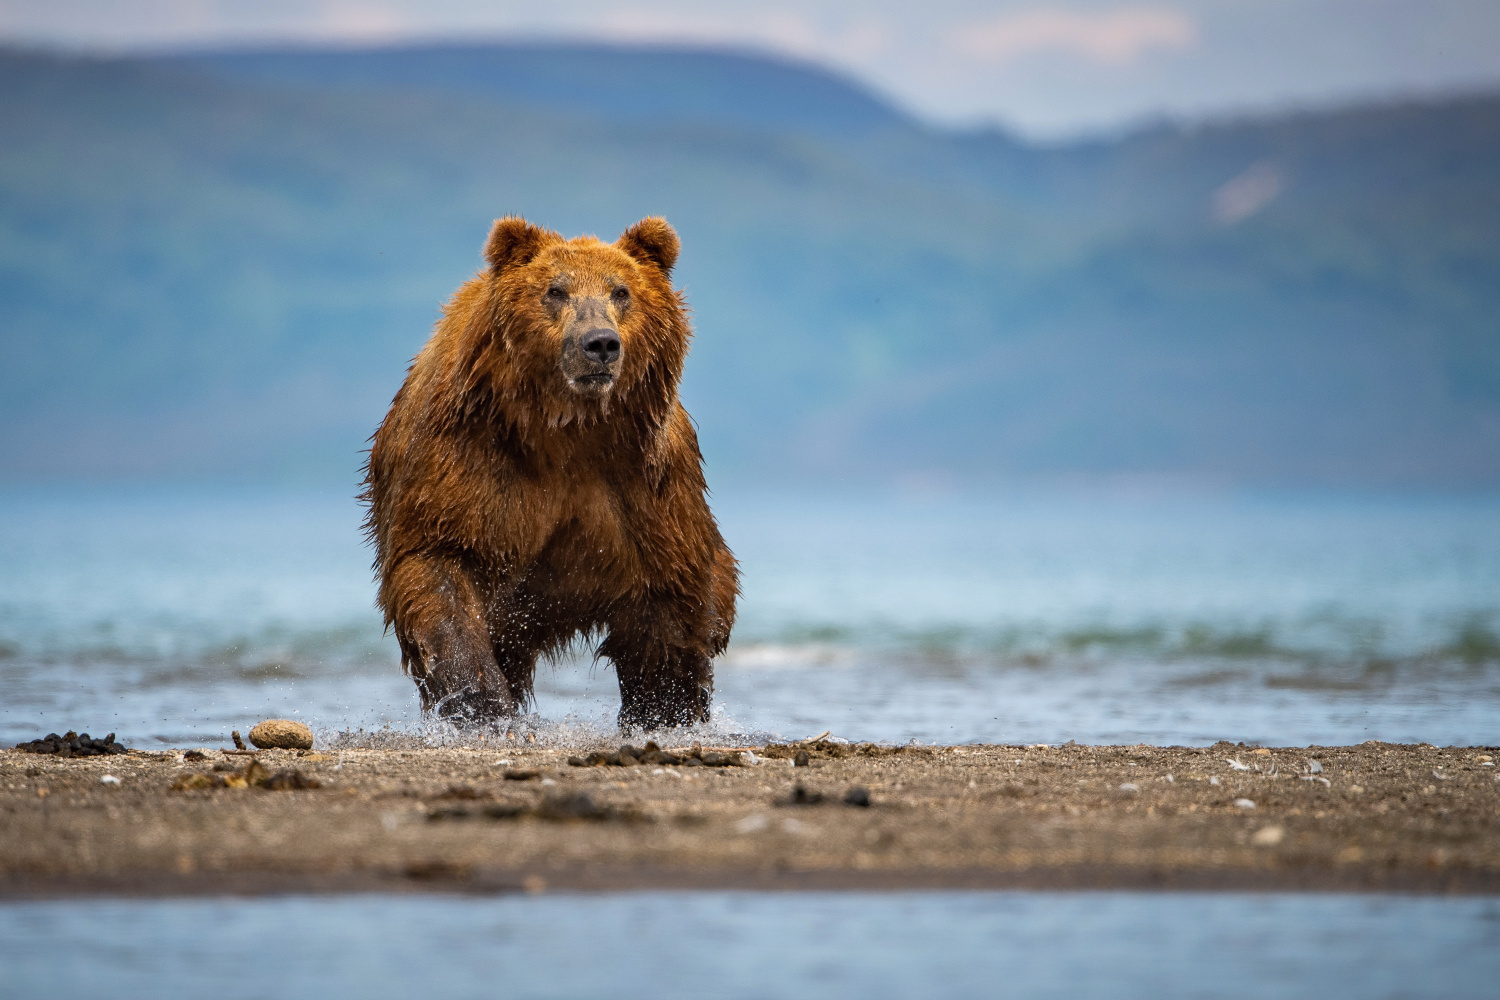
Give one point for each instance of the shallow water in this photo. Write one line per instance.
(747, 945)
(171, 616)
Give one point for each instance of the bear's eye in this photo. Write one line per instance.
(621, 294)
(557, 294)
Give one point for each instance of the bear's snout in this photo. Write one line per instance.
(601, 345)
(591, 356)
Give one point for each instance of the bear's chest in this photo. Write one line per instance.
(586, 529)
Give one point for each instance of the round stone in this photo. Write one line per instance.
(283, 734)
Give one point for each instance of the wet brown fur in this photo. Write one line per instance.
(511, 513)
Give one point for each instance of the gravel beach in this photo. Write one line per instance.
(1376, 816)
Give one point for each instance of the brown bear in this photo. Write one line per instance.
(537, 478)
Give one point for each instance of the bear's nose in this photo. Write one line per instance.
(602, 345)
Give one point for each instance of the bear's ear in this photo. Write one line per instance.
(652, 240)
(512, 241)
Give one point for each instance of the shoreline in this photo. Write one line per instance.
(589, 880)
(1376, 817)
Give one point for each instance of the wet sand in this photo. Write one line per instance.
(1373, 817)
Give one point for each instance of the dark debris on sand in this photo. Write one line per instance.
(255, 775)
(831, 750)
(857, 795)
(71, 744)
(629, 756)
(802, 754)
(562, 808)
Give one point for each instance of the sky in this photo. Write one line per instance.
(1047, 68)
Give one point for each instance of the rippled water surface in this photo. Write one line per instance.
(743, 945)
(171, 616)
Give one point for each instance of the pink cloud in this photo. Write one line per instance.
(1116, 37)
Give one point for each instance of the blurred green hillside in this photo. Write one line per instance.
(219, 265)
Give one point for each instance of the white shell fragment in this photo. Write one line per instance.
(753, 823)
(1268, 836)
(109, 779)
(1130, 787)
(1237, 765)
(1245, 803)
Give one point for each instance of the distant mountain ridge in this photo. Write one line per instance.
(637, 84)
(219, 264)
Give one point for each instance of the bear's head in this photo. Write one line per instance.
(581, 323)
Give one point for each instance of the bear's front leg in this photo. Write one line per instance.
(445, 646)
(664, 668)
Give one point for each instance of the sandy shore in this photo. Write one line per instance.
(1372, 817)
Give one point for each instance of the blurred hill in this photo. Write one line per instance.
(218, 264)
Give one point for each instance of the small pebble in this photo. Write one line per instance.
(804, 797)
(1267, 836)
(1245, 803)
(857, 796)
(1130, 787)
(801, 759)
(289, 780)
(109, 779)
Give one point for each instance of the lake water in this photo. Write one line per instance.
(860, 946)
(171, 616)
